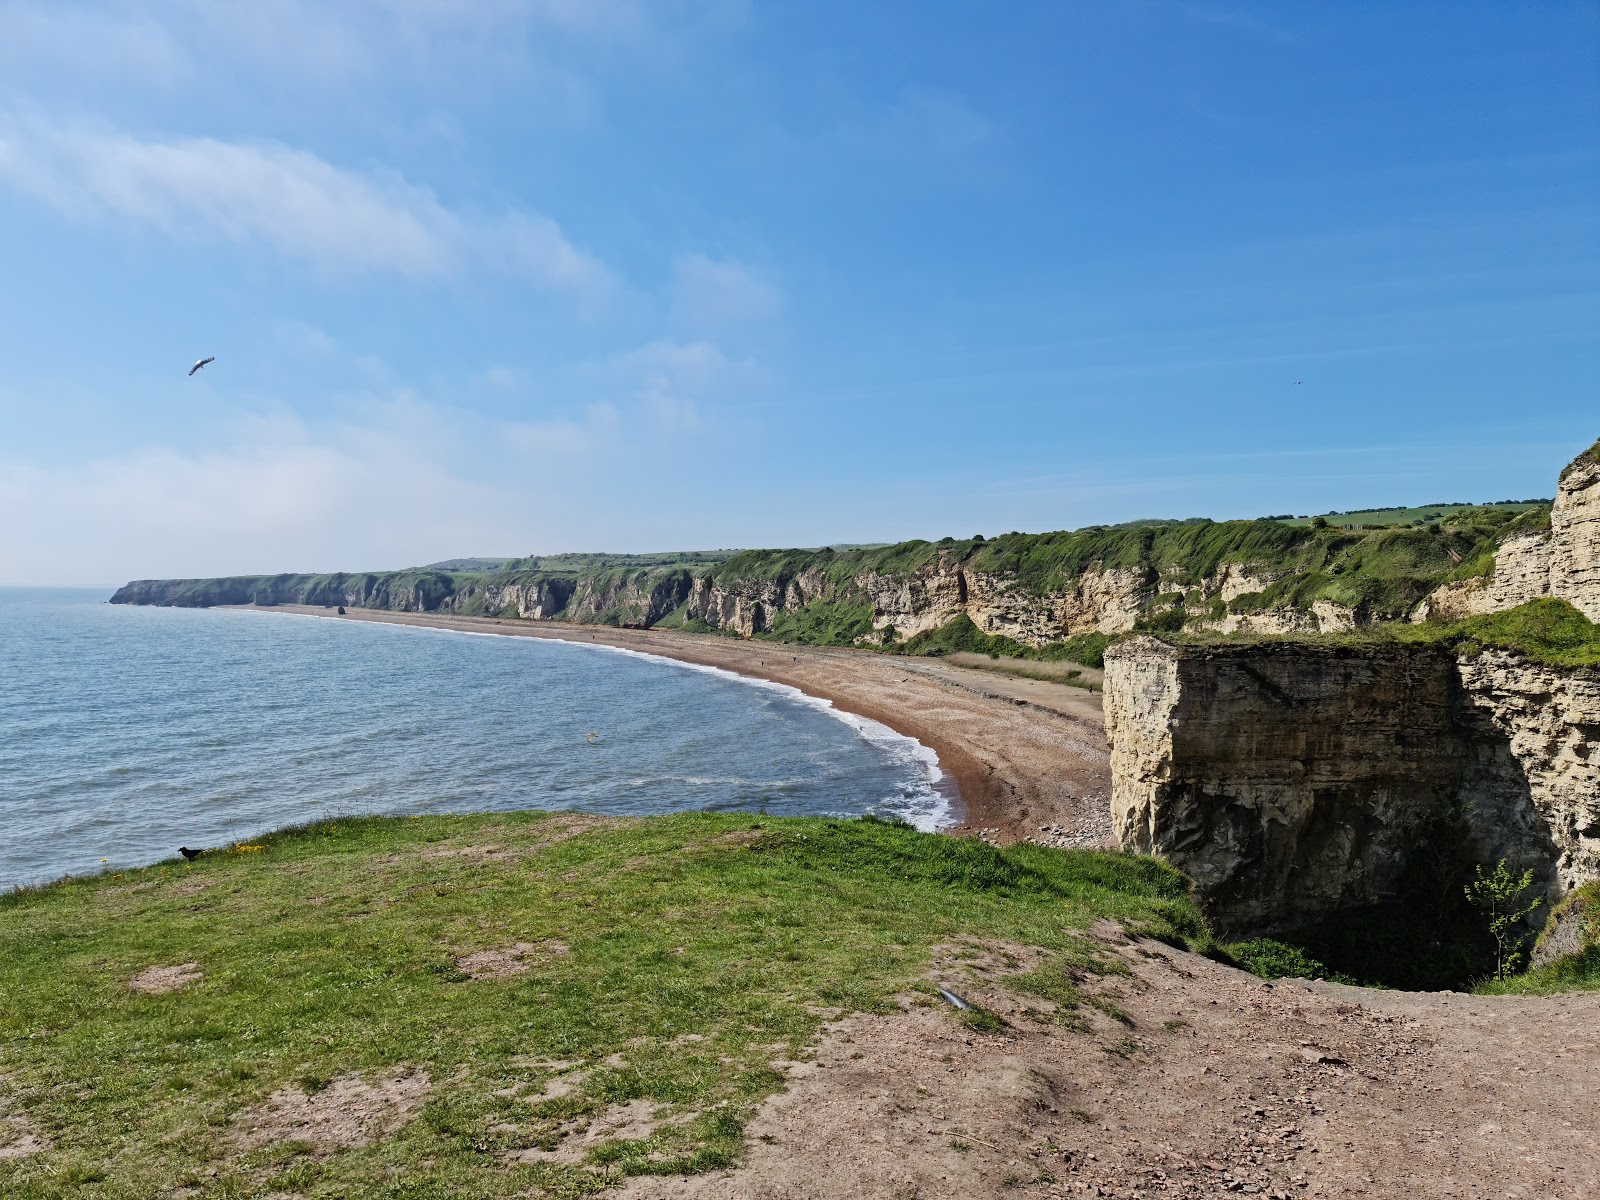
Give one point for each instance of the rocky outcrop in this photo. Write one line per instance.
(1537, 728)
(1291, 780)
(534, 600)
(1575, 536)
(1563, 561)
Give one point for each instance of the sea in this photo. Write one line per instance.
(128, 731)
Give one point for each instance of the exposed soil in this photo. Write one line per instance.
(19, 1136)
(156, 980)
(632, 1121)
(1028, 756)
(1220, 1085)
(513, 960)
(349, 1113)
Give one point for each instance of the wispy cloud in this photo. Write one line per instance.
(51, 39)
(279, 497)
(281, 197)
(339, 46)
(715, 292)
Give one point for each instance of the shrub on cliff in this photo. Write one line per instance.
(1502, 899)
(961, 635)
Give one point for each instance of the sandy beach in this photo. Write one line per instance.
(1029, 757)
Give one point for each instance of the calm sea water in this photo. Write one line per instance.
(125, 732)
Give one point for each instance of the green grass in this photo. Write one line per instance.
(1572, 973)
(1579, 971)
(1546, 630)
(698, 950)
(961, 635)
(1421, 514)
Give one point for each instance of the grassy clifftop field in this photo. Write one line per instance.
(483, 1006)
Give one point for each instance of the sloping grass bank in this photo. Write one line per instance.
(667, 963)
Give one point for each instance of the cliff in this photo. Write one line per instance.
(1026, 592)
(1558, 557)
(1291, 780)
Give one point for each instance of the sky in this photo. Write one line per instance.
(530, 276)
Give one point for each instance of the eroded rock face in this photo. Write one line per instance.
(1290, 780)
(1575, 537)
(1547, 720)
(1563, 562)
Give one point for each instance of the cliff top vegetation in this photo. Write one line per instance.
(1591, 455)
(525, 973)
(579, 564)
(1545, 630)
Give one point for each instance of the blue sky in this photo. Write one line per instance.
(525, 276)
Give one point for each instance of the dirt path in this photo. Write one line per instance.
(1029, 757)
(1219, 1085)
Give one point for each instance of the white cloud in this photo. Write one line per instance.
(343, 45)
(718, 292)
(292, 502)
(595, 433)
(60, 38)
(536, 246)
(280, 197)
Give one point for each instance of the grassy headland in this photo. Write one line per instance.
(671, 961)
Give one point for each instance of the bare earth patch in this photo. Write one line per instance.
(157, 980)
(547, 832)
(19, 1137)
(1221, 1085)
(513, 960)
(347, 1114)
(633, 1121)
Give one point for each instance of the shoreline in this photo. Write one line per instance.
(1025, 756)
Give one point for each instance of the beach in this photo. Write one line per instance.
(1029, 757)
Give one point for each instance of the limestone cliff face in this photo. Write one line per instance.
(1563, 562)
(1101, 600)
(1292, 780)
(412, 591)
(642, 597)
(541, 600)
(1538, 728)
(1575, 537)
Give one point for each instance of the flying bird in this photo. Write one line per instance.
(201, 363)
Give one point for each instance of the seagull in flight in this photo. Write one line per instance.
(201, 363)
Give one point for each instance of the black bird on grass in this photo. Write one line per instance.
(191, 855)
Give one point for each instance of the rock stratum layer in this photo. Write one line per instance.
(1290, 780)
